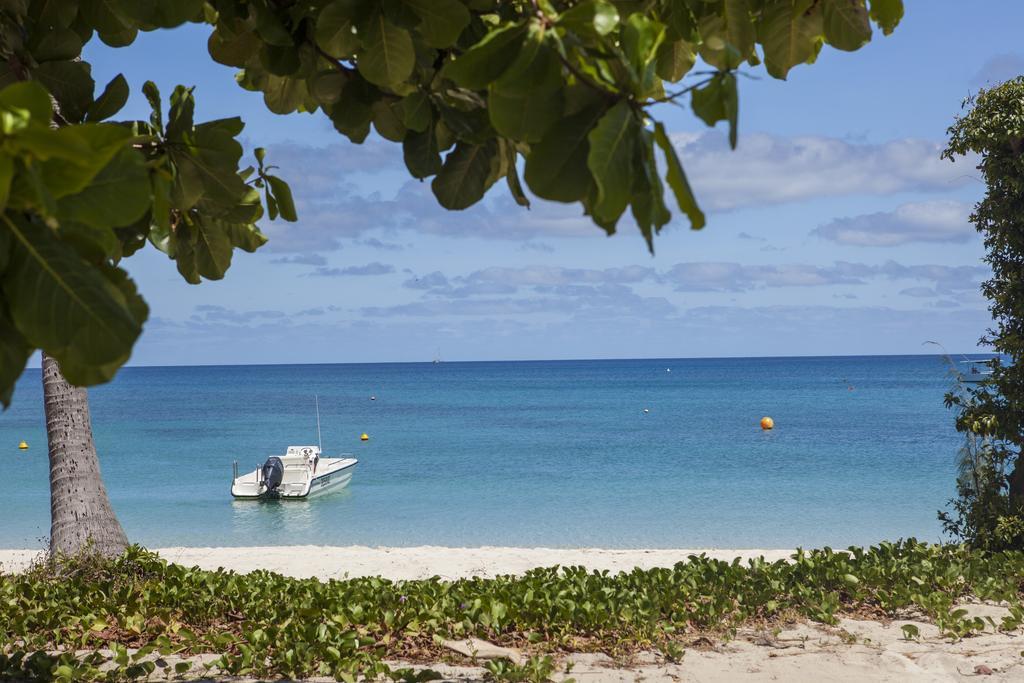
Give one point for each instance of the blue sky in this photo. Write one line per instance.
(833, 229)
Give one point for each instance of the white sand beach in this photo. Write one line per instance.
(854, 650)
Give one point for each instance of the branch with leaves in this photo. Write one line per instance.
(473, 90)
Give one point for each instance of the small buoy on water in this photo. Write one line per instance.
(373, 398)
(364, 437)
(23, 446)
(767, 423)
(647, 410)
(668, 369)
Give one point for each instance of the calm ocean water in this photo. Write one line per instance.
(555, 453)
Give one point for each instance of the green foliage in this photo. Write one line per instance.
(534, 670)
(474, 90)
(79, 193)
(496, 83)
(55, 619)
(990, 507)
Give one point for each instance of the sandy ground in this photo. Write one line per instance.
(852, 651)
(331, 562)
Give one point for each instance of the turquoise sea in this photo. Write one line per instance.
(553, 453)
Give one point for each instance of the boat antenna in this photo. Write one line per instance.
(318, 438)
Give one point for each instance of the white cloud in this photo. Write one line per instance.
(769, 169)
(934, 221)
(374, 268)
(764, 170)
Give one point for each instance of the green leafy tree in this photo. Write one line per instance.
(474, 90)
(990, 507)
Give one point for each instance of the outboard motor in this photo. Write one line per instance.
(273, 473)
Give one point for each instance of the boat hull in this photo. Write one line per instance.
(331, 481)
(333, 474)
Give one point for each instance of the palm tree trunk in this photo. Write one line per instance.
(81, 517)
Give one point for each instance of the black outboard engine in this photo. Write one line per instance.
(273, 473)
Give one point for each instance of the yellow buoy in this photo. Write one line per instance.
(767, 423)
(23, 446)
(364, 437)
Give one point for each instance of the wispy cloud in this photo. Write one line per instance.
(764, 170)
(302, 259)
(770, 169)
(935, 221)
(374, 268)
(998, 68)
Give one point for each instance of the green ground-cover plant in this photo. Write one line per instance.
(263, 624)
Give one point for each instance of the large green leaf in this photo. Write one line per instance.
(610, 160)
(719, 101)
(386, 57)
(213, 249)
(488, 59)
(417, 114)
(283, 94)
(6, 176)
(71, 84)
(846, 24)
(233, 48)
(110, 21)
(421, 153)
(676, 179)
(675, 59)
(110, 101)
(791, 34)
(387, 119)
(465, 175)
(56, 44)
(29, 96)
(14, 354)
(887, 14)
(596, 17)
(441, 21)
(65, 306)
(283, 197)
(83, 151)
(556, 167)
(94, 244)
(161, 14)
(118, 195)
(210, 165)
(53, 13)
(739, 27)
(335, 32)
(648, 201)
(527, 99)
(245, 236)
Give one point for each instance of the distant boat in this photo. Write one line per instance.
(437, 356)
(299, 473)
(975, 371)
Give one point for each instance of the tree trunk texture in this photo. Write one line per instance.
(81, 518)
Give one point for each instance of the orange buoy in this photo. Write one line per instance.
(767, 423)
(23, 446)
(364, 437)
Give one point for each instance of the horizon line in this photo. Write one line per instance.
(966, 355)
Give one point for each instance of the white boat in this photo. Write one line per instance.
(299, 473)
(975, 371)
